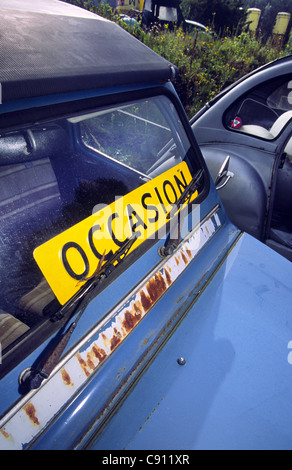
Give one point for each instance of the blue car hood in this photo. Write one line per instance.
(233, 389)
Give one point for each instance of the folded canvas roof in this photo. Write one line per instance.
(48, 46)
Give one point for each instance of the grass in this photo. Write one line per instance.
(206, 63)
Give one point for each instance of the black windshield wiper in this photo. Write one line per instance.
(34, 376)
(187, 193)
(173, 240)
(97, 277)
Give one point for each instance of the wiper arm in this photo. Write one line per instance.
(34, 376)
(187, 193)
(100, 274)
(173, 241)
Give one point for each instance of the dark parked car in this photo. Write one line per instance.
(251, 122)
(133, 313)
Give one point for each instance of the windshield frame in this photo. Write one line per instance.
(40, 334)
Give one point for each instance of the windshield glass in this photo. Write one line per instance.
(54, 176)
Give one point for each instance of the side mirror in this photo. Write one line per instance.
(223, 173)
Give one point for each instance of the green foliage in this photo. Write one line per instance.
(289, 46)
(206, 63)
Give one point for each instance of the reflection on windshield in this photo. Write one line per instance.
(133, 135)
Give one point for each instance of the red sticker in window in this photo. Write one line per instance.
(236, 123)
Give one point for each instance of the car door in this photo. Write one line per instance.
(251, 124)
(279, 226)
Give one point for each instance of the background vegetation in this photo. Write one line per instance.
(208, 64)
(209, 61)
(223, 14)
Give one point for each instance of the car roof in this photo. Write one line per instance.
(48, 46)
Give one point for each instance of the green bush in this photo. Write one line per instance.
(208, 64)
(289, 46)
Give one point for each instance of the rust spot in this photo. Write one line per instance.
(145, 300)
(131, 320)
(105, 340)
(127, 319)
(116, 339)
(137, 308)
(83, 365)
(31, 413)
(99, 353)
(189, 253)
(66, 378)
(184, 258)
(155, 287)
(167, 275)
(91, 356)
(4, 433)
(89, 362)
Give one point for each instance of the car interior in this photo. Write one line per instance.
(274, 130)
(264, 113)
(44, 189)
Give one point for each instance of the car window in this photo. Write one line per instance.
(53, 176)
(134, 134)
(281, 97)
(167, 14)
(263, 112)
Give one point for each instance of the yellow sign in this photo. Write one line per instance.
(72, 256)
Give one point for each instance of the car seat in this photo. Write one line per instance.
(10, 329)
(275, 130)
(30, 201)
